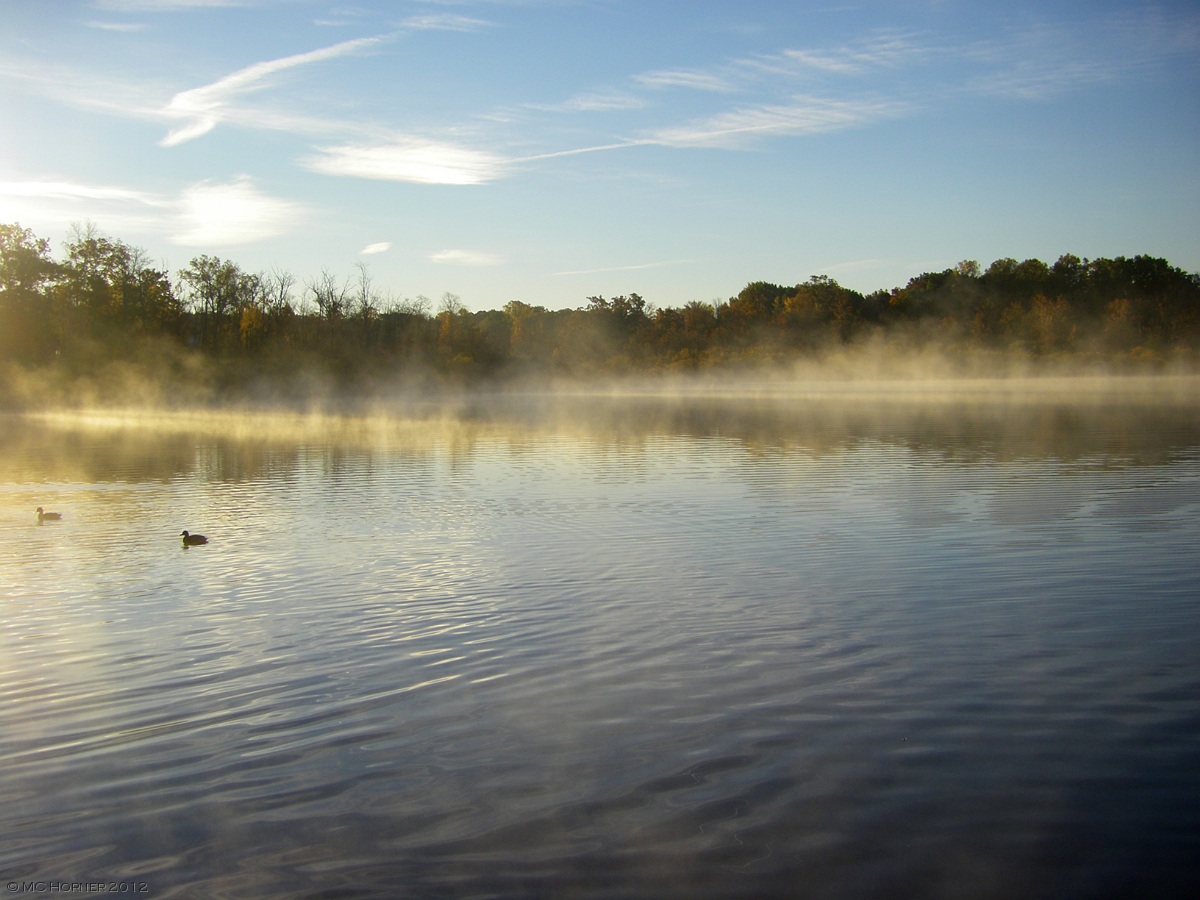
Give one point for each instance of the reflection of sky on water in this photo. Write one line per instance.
(689, 632)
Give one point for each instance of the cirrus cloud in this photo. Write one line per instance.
(65, 190)
(465, 258)
(684, 78)
(804, 115)
(444, 22)
(203, 108)
(408, 159)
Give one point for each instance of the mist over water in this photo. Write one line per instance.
(822, 641)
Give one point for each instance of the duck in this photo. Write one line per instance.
(191, 540)
(44, 516)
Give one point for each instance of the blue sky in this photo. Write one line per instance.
(548, 150)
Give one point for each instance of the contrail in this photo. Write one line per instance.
(577, 151)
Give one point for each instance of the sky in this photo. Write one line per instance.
(551, 150)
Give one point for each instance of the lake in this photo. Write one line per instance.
(934, 641)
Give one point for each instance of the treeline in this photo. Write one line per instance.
(104, 301)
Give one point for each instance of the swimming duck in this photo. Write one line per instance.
(44, 516)
(191, 540)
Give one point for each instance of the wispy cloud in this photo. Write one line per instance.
(786, 93)
(73, 87)
(373, 249)
(122, 27)
(444, 22)
(776, 75)
(738, 128)
(1039, 80)
(169, 5)
(593, 101)
(685, 78)
(881, 50)
(804, 115)
(203, 108)
(633, 268)
(1040, 62)
(216, 215)
(409, 160)
(62, 190)
(471, 258)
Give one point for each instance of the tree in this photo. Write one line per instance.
(330, 296)
(1050, 324)
(364, 304)
(406, 328)
(606, 331)
(112, 287)
(26, 274)
(97, 272)
(759, 300)
(630, 310)
(821, 308)
(1018, 279)
(459, 341)
(217, 291)
(150, 302)
(1069, 273)
(527, 330)
(452, 304)
(277, 294)
(25, 264)
(699, 318)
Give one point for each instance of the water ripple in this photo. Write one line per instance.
(676, 665)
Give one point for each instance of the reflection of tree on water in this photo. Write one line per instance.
(1109, 429)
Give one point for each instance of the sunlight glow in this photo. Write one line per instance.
(234, 213)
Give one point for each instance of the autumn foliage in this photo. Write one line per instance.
(103, 303)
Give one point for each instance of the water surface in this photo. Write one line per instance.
(816, 647)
